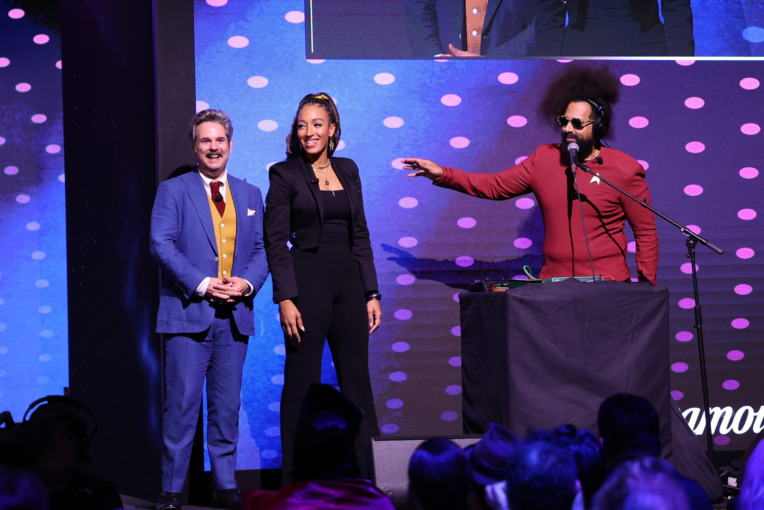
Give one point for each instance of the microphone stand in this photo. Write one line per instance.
(692, 240)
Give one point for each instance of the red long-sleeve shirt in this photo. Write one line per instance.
(605, 210)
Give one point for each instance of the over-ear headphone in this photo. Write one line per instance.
(602, 122)
(55, 406)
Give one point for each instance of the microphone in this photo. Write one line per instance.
(314, 180)
(219, 198)
(573, 151)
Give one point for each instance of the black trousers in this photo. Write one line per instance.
(333, 307)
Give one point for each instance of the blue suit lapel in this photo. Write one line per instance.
(198, 197)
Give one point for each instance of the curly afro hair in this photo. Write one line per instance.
(578, 82)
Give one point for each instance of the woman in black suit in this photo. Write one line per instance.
(326, 285)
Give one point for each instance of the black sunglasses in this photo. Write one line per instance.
(562, 120)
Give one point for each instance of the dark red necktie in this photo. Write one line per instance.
(217, 197)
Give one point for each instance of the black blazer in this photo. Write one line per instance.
(295, 213)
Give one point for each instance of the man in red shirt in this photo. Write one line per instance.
(580, 99)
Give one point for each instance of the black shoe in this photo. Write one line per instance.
(229, 499)
(168, 501)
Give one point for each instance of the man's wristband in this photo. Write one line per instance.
(375, 295)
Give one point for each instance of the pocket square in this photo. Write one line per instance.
(251, 212)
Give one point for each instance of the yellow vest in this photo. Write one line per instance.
(225, 233)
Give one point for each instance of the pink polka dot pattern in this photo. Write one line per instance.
(740, 323)
(257, 82)
(630, 80)
(41, 39)
(295, 17)
(39, 118)
(456, 331)
(449, 416)
(746, 214)
(238, 41)
(520, 159)
(695, 147)
(744, 253)
(23, 87)
(400, 346)
(679, 367)
(525, 203)
(693, 190)
(735, 355)
(731, 384)
(405, 279)
(464, 261)
(459, 142)
(677, 395)
(749, 83)
(748, 172)
(685, 62)
(644, 163)
(397, 163)
(403, 315)
(517, 121)
(522, 243)
(722, 440)
(398, 376)
(11, 170)
(466, 222)
(217, 3)
(453, 389)
(631, 247)
(686, 268)
(389, 428)
(451, 100)
(638, 122)
(743, 289)
(508, 78)
(394, 403)
(408, 202)
(407, 242)
(393, 122)
(456, 361)
(686, 303)
(694, 103)
(16, 14)
(750, 129)
(4, 62)
(384, 78)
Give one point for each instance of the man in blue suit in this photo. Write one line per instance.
(470, 28)
(207, 238)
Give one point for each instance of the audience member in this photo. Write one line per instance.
(68, 427)
(629, 428)
(590, 464)
(647, 483)
(439, 476)
(752, 490)
(325, 470)
(541, 475)
(21, 490)
(488, 463)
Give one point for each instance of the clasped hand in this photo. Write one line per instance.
(226, 290)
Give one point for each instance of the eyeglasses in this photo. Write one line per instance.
(562, 120)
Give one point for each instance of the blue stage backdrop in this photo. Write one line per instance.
(33, 308)
(695, 126)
